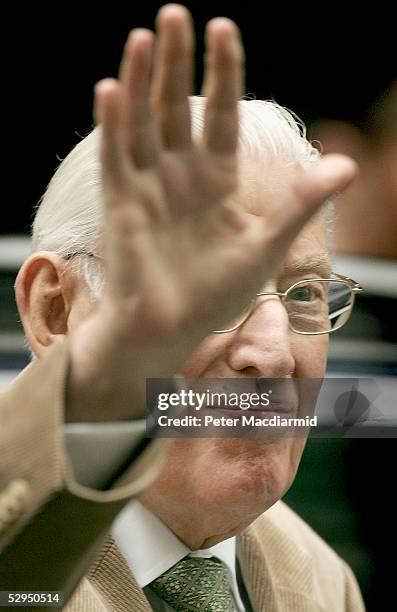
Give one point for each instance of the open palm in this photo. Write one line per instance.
(180, 258)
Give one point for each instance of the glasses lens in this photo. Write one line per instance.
(318, 306)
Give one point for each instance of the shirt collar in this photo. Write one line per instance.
(150, 548)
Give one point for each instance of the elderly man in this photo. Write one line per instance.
(194, 207)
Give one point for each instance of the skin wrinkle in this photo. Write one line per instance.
(319, 264)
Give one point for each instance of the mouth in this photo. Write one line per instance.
(259, 396)
(239, 396)
(281, 408)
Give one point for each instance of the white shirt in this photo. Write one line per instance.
(150, 549)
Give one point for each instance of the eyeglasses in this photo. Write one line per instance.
(314, 306)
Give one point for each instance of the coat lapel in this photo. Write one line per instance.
(111, 576)
(277, 573)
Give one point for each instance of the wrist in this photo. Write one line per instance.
(103, 382)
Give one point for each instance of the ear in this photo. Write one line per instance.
(44, 291)
(340, 137)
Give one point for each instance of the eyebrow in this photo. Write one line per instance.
(319, 263)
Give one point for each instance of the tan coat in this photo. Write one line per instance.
(54, 532)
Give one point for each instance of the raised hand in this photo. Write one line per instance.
(165, 195)
(181, 258)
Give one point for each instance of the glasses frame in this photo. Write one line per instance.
(352, 284)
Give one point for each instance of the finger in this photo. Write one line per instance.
(223, 85)
(108, 111)
(135, 74)
(173, 75)
(332, 174)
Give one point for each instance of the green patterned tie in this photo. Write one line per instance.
(196, 585)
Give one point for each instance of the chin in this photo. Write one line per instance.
(212, 489)
(255, 474)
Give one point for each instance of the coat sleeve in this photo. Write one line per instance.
(51, 526)
(354, 600)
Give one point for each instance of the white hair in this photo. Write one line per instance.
(69, 217)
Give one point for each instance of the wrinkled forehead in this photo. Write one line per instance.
(264, 186)
(309, 255)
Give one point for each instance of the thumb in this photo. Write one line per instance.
(313, 187)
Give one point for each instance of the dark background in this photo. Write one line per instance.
(314, 61)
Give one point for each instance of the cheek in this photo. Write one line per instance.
(310, 354)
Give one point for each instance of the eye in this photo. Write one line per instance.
(304, 293)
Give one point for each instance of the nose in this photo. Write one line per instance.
(261, 346)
